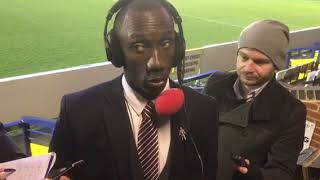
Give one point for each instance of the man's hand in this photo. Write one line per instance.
(244, 170)
(61, 178)
(249, 171)
(2, 174)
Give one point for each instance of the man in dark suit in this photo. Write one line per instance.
(102, 125)
(259, 119)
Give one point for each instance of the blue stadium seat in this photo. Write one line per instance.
(31, 129)
(40, 129)
(17, 130)
(197, 82)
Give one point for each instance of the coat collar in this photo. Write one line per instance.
(263, 105)
(117, 122)
(266, 103)
(238, 116)
(229, 84)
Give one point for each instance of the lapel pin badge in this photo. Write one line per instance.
(182, 134)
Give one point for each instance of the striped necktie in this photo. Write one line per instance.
(250, 96)
(148, 146)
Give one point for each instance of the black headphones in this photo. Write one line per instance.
(112, 43)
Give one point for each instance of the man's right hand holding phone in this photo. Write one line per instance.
(241, 164)
(245, 170)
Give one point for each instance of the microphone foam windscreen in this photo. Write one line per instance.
(169, 102)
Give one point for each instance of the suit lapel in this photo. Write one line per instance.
(176, 156)
(182, 151)
(176, 150)
(119, 132)
(181, 154)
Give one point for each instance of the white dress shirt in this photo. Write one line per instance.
(135, 105)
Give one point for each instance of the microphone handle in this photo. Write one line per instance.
(62, 173)
(65, 170)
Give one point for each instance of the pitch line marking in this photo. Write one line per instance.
(212, 20)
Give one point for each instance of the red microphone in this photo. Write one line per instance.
(169, 102)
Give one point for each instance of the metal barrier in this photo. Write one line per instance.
(197, 82)
(31, 130)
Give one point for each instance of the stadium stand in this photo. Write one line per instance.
(313, 78)
(300, 63)
(301, 78)
(17, 130)
(198, 81)
(32, 134)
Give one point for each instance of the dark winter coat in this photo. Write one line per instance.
(268, 131)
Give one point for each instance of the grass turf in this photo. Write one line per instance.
(40, 35)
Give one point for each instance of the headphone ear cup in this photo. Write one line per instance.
(113, 49)
(180, 49)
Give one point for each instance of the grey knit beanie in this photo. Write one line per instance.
(269, 37)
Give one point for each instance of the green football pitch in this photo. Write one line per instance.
(42, 35)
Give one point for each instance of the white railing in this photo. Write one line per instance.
(39, 94)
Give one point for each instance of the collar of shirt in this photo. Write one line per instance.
(252, 91)
(135, 100)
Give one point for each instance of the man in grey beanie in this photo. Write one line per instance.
(261, 125)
